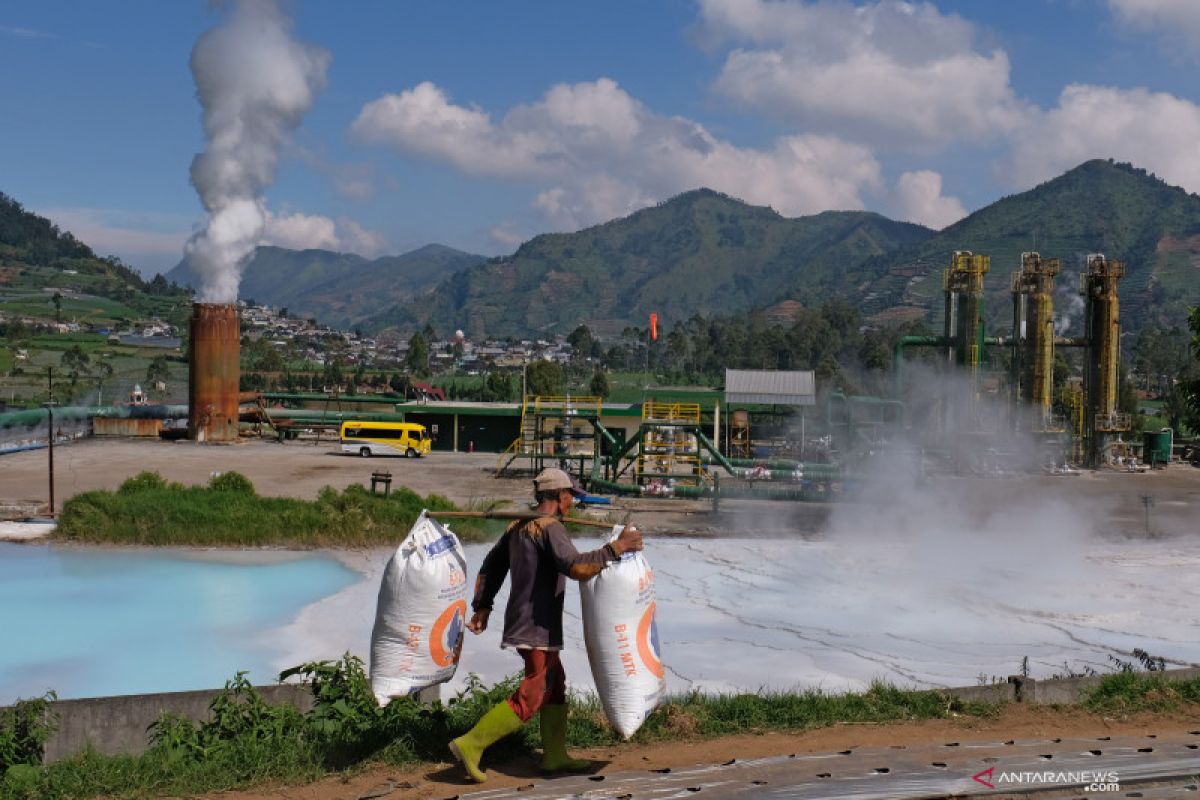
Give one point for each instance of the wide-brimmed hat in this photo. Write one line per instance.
(550, 479)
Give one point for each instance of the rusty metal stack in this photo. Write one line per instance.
(213, 371)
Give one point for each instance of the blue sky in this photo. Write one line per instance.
(479, 125)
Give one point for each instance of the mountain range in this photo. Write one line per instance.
(1097, 207)
(701, 252)
(339, 289)
(706, 253)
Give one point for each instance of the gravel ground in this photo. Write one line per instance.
(1114, 499)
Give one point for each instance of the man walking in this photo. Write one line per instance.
(540, 557)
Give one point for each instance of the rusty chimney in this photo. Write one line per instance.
(214, 370)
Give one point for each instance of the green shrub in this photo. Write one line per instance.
(227, 512)
(25, 728)
(231, 482)
(1128, 692)
(143, 482)
(246, 741)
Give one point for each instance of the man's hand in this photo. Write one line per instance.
(629, 540)
(479, 620)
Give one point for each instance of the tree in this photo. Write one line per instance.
(1190, 384)
(269, 360)
(400, 384)
(158, 285)
(497, 387)
(543, 378)
(417, 360)
(581, 341)
(75, 362)
(57, 300)
(599, 385)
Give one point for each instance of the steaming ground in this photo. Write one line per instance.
(931, 583)
(749, 614)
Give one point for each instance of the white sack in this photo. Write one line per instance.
(621, 634)
(421, 613)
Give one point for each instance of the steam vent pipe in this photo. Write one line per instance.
(1033, 298)
(213, 373)
(1098, 285)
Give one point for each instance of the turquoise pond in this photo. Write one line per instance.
(93, 622)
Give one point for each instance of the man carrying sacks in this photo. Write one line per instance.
(540, 557)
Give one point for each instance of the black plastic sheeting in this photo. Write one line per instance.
(1152, 766)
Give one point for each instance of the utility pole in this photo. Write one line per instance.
(50, 430)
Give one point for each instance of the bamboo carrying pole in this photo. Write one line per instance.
(591, 523)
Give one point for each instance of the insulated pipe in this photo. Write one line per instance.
(37, 416)
(716, 454)
(761, 491)
(912, 341)
(783, 466)
(311, 415)
(302, 397)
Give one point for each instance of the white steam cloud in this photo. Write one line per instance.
(255, 83)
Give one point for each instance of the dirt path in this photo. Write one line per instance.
(1014, 722)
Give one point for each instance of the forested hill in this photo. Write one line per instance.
(339, 288)
(36, 254)
(701, 252)
(29, 240)
(706, 253)
(1097, 207)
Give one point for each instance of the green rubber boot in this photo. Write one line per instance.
(554, 742)
(495, 725)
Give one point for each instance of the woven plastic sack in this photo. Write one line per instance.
(421, 613)
(621, 633)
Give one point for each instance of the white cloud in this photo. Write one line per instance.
(507, 235)
(893, 73)
(354, 186)
(1178, 21)
(1153, 130)
(597, 153)
(353, 181)
(357, 239)
(25, 33)
(422, 121)
(918, 198)
(299, 231)
(148, 240)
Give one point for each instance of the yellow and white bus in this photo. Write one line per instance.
(385, 439)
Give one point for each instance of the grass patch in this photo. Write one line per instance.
(245, 741)
(703, 715)
(146, 510)
(1129, 692)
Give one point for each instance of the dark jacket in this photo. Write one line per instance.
(540, 557)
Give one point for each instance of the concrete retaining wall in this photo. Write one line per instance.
(116, 725)
(1054, 692)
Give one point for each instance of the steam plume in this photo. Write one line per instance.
(254, 82)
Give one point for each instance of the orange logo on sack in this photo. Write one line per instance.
(446, 637)
(647, 642)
